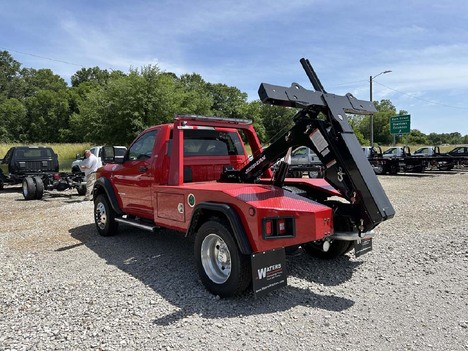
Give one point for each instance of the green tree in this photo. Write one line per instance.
(227, 101)
(13, 117)
(94, 75)
(116, 112)
(47, 116)
(416, 137)
(455, 138)
(276, 120)
(355, 122)
(385, 110)
(435, 139)
(11, 83)
(47, 101)
(196, 98)
(253, 111)
(42, 79)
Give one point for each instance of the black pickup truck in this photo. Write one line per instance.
(21, 161)
(37, 169)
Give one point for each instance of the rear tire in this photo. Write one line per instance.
(222, 268)
(39, 187)
(29, 188)
(104, 216)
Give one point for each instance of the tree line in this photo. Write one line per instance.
(112, 107)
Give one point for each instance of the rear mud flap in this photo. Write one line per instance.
(268, 271)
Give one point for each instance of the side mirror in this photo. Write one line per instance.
(112, 154)
(78, 156)
(120, 152)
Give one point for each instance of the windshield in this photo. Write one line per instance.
(212, 143)
(390, 151)
(33, 153)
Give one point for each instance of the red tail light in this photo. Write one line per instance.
(278, 227)
(268, 228)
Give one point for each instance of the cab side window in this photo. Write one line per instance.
(142, 149)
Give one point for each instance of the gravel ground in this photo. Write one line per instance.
(65, 288)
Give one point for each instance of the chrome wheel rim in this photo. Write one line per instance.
(25, 189)
(216, 258)
(101, 215)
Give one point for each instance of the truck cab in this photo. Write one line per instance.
(460, 152)
(396, 151)
(427, 151)
(148, 162)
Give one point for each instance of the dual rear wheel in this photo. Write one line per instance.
(33, 188)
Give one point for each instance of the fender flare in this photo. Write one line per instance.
(238, 230)
(103, 185)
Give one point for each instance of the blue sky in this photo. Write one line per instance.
(243, 43)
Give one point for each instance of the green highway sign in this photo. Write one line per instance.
(400, 124)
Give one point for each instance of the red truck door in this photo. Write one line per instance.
(134, 178)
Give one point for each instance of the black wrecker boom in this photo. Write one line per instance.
(322, 125)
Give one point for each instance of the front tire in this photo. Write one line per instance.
(29, 188)
(222, 268)
(104, 216)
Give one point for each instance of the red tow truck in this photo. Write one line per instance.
(194, 176)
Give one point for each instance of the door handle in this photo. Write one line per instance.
(143, 169)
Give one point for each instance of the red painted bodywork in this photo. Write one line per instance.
(154, 189)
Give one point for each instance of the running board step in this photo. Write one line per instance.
(137, 224)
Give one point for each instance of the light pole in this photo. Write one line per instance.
(372, 115)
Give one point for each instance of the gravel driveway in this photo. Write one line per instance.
(65, 288)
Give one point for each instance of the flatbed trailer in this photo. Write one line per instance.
(399, 159)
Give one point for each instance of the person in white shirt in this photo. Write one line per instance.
(89, 165)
